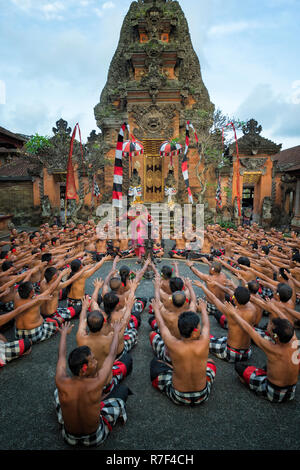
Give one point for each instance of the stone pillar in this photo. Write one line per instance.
(296, 220)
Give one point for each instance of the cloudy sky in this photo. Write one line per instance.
(54, 59)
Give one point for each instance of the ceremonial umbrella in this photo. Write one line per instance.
(169, 149)
(132, 148)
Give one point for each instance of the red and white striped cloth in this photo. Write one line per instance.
(118, 170)
(184, 165)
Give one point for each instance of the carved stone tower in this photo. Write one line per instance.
(154, 83)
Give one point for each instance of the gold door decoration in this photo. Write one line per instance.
(153, 172)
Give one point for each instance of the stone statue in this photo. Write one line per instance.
(170, 189)
(267, 209)
(46, 207)
(135, 187)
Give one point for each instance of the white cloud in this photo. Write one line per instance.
(98, 12)
(23, 4)
(232, 28)
(108, 5)
(52, 10)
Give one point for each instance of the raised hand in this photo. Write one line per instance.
(66, 328)
(98, 283)
(198, 284)
(85, 302)
(202, 305)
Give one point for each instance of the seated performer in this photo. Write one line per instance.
(128, 338)
(237, 345)
(31, 324)
(179, 249)
(170, 314)
(189, 380)
(124, 249)
(54, 285)
(92, 334)
(215, 274)
(76, 290)
(86, 416)
(10, 350)
(276, 383)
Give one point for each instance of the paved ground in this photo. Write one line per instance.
(232, 419)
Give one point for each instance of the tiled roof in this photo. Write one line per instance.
(289, 158)
(16, 168)
(12, 134)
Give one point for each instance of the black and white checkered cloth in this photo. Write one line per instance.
(7, 307)
(211, 309)
(111, 410)
(130, 339)
(63, 314)
(96, 189)
(220, 348)
(45, 331)
(159, 348)
(164, 383)
(12, 350)
(258, 382)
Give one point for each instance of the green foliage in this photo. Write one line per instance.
(226, 225)
(37, 144)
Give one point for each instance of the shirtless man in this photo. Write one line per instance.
(215, 274)
(101, 247)
(30, 324)
(53, 284)
(76, 290)
(10, 350)
(189, 380)
(84, 417)
(278, 382)
(10, 282)
(237, 345)
(179, 250)
(91, 333)
(170, 315)
(129, 332)
(125, 251)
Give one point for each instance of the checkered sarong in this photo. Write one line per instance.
(63, 314)
(110, 411)
(153, 323)
(7, 306)
(163, 382)
(257, 381)
(264, 292)
(119, 371)
(220, 348)
(263, 333)
(37, 287)
(12, 350)
(211, 309)
(75, 303)
(47, 329)
(159, 347)
(125, 253)
(130, 339)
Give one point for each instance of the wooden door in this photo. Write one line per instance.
(153, 172)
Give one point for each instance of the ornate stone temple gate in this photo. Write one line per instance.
(154, 84)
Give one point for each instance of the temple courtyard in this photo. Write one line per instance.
(232, 419)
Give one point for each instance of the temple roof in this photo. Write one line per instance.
(289, 159)
(252, 143)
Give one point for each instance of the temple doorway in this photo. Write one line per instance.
(248, 204)
(153, 172)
